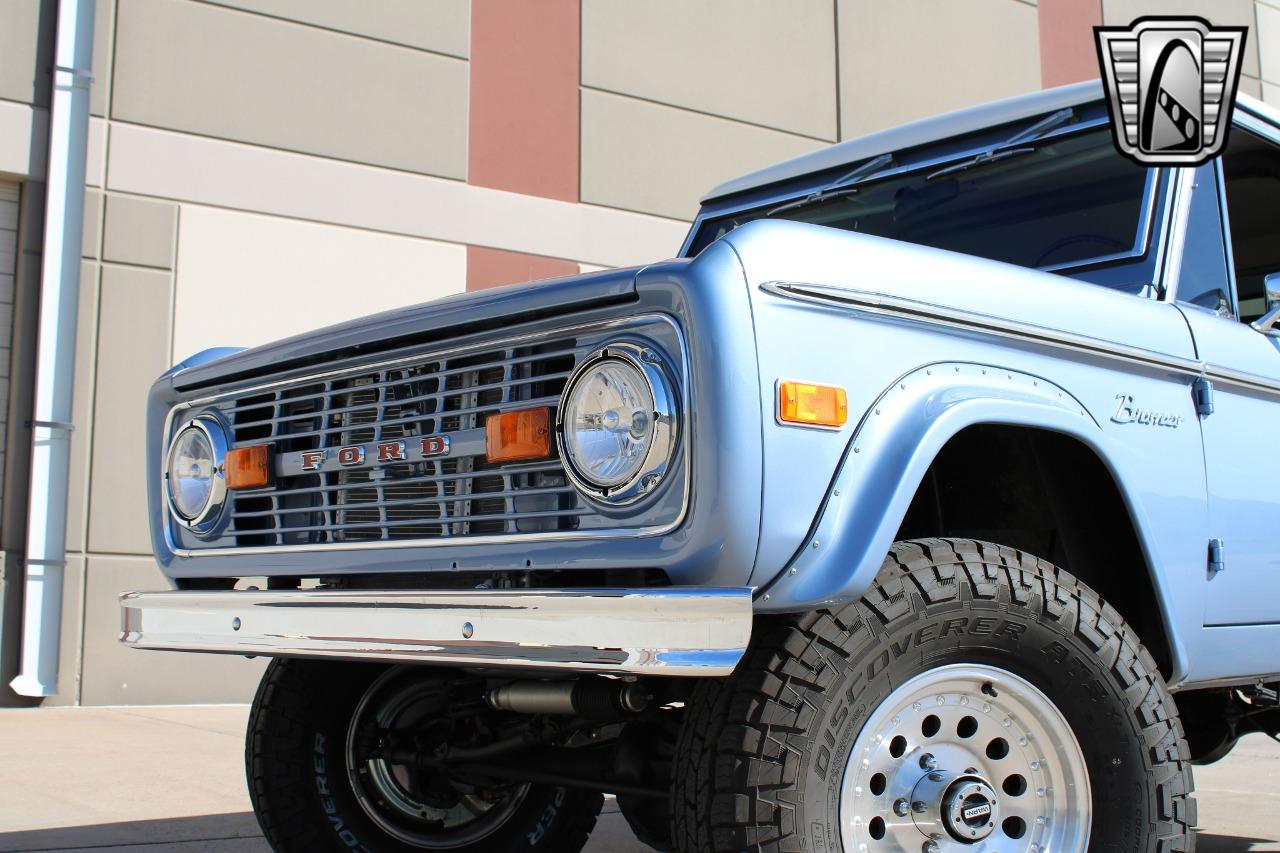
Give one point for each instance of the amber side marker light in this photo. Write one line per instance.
(513, 436)
(812, 405)
(248, 467)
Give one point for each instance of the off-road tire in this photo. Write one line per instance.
(748, 764)
(295, 758)
(653, 743)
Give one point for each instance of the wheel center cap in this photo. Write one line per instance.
(969, 809)
(960, 805)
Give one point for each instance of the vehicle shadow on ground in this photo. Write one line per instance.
(1207, 842)
(229, 832)
(175, 833)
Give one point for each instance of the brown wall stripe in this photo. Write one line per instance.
(1067, 52)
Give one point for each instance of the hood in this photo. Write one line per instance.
(933, 282)
(430, 322)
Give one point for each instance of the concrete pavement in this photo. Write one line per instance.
(146, 780)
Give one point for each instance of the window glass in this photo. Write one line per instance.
(1203, 279)
(1066, 201)
(1252, 169)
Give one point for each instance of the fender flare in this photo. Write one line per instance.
(892, 448)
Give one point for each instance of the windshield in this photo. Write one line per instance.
(1066, 201)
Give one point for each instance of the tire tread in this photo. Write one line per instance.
(737, 760)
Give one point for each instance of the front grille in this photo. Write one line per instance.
(458, 495)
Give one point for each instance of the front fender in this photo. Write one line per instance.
(888, 456)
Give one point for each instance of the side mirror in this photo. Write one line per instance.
(1271, 288)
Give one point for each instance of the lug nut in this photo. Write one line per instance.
(901, 807)
(930, 847)
(928, 762)
(919, 807)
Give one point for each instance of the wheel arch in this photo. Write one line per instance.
(899, 443)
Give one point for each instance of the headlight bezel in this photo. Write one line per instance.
(664, 429)
(208, 518)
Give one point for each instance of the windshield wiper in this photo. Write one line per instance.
(1010, 147)
(846, 184)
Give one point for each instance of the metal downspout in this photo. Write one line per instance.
(56, 349)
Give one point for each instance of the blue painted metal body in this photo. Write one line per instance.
(926, 343)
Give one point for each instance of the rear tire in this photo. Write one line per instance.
(306, 797)
(782, 756)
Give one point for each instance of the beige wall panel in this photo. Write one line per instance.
(679, 155)
(1271, 94)
(224, 73)
(95, 159)
(758, 61)
(133, 349)
(117, 675)
(82, 405)
(140, 231)
(975, 52)
(92, 236)
(1268, 42)
(104, 26)
(279, 277)
(23, 140)
(69, 638)
(443, 26)
(26, 42)
(1237, 13)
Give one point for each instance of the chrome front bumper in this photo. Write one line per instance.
(688, 631)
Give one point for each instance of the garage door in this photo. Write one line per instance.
(8, 265)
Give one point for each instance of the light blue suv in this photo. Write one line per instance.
(925, 503)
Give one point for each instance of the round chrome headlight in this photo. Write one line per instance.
(617, 423)
(194, 474)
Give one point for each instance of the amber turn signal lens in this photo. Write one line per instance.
(812, 405)
(248, 467)
(513, 436)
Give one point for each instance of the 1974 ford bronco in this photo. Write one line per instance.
(927, 502)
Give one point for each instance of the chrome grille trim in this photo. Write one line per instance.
(495, 386)
(472, 410)
(442, 503)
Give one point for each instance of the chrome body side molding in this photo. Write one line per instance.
(685, 631)
(881, 303)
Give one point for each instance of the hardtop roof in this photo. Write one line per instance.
(934, 128)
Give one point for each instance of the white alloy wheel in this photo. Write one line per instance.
(966, 757)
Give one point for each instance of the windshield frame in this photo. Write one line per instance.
(945, 152)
